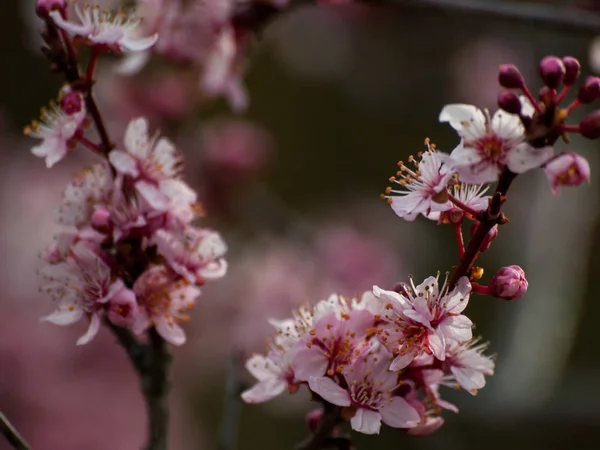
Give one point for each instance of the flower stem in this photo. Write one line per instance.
(11, 434)
(459, 239)
(465, 208)
(321, 438)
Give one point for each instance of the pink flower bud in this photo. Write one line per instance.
(572, 68)
(43, 7)
(552, 71)
(567, 169)
(509, 102)
(589, 90)
(589, 127)
(122, 309)
(509, 283)
(313, 418)
(100, 219)
(510, 77)
(491, 235)
(71, 103)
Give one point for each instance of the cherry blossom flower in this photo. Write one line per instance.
(567, 169)
(163, 301)
(274, 375)
(468, 364)
(471, 195)
(113, 30)
(368, 397)
(82, 285)
(57, 129)
(489, 144)
(150, 161)
(195, 254)
(423, 190)
(422, 318)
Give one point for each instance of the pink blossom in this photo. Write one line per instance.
(567, 169)
(57, 129)
(163, 301)
(113, 30)
(149, 161)
(471, 195)
(509, 283)
(423, 190)
(195, 254)
(427, 425)
(369, 394)
(423, 318)
(82, 285)
(468, 364)
(274, 374)
(488, 145)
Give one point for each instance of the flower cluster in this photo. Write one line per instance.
(379, 358)
(130, 252)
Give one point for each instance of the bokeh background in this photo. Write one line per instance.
(338, 95)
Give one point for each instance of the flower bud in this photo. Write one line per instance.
(509, 102)
(71, 103)
(510, 77)
(567, 169)
(552, 71)
(313, 418)
(491, 235)
(589, 127)
(43, 7)
(589, 90)
(509, 283)
(572, 70)
(100, 219)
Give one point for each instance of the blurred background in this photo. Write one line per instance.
(338, 94)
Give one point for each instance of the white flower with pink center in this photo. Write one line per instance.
(471, 195)
(83, 286)
(57, 128)
(151, 162)
(90, 187)
(490, 144)
(113, 30)
(195, 254)
(164, 301)
(423, 190)
(468, 364)
(422, 318)
(368, 396)
(274, 374)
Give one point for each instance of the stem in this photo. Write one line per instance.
(11, 434)
(480, 289)
(465, 208)
(88, 143)
(459, 239)
(320, 438)
(228, 430)
(489, 218)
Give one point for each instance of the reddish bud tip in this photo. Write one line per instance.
(572, 68)
(552, 71)
(71, 103)
(589, 126)
(43, 7)
(510, 77)
(509, 102)
(509, 283)
(101, 219)
(589, 90)
(567, 169)
(492, 234)
(313, 418)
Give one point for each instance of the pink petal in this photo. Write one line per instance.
(92, 330)
(309, 362)
(264, 391)
(260, 367)
(170, 331)
(457, 328)
(429, 425)
(436, 345)
(152, 194)
(470, 380)
(524, 157)
(123, 163)
(366, 421)
(329, 390)
(401, 362)
(136, 138)
(64, 316)
(398, 413)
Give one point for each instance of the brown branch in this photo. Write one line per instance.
(11, 434)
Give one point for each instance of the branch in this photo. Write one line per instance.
(321, 438)
(11, 434)
(228, 430)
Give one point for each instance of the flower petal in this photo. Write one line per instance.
(329, 390)
(92, 330)
(309, 362)
(398, 413)
(264, 391)
(366, 421)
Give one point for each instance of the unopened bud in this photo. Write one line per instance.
(572, 68)
(71, 103)
(589, 90)
(509, 102)
(100, 219)
(313, 418)
(567, 169)
(43, 7)
(489, 237)
(509, 283)
(510, 77)
(589, 127)
(552, 71)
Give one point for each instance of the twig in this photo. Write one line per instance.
(228, 430)
(11, 434)
(321, 438)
